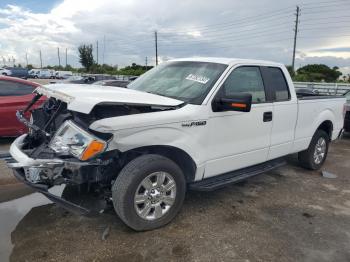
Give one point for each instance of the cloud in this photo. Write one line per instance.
(246, 29)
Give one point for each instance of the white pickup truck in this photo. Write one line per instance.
(197, 123)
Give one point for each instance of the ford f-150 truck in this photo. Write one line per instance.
(197, 123)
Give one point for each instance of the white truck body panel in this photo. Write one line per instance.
(228, 141)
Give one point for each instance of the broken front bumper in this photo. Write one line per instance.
(21, 159)
(27, 170)
(44, 189)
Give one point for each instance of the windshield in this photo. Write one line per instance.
(186, 81)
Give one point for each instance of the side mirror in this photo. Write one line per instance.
(241, 102)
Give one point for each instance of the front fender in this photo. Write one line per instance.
(187, 140)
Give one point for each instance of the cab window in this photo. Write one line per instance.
(246, 79)
(275, 82)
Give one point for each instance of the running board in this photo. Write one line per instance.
(213, 183)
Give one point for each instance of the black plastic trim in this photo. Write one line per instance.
(216, 182)
(320, 97)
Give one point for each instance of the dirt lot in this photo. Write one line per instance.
(289, 214)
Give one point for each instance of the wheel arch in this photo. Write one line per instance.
(179, 156)
(326, 126)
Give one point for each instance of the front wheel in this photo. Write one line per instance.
(314, 157)
(149, 192)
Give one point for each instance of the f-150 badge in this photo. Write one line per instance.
(195, 123)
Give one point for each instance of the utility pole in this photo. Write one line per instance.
(41, 60)
(59, 58)
(66, 57)
(156, 43)
(104, 49)
(27, 59)
(146, 63)
(97, 51)
(295, 36)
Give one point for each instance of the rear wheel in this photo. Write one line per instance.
(149, 192)
(314, 157)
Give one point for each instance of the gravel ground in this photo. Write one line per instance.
(289, 214)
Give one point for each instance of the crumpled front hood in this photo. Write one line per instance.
(83, 98)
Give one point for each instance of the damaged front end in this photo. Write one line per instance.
(60, 149)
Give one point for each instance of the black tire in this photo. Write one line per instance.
(128, 181)
(306, 157)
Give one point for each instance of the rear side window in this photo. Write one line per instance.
(9, 88)
(246, 79)
(276, 83)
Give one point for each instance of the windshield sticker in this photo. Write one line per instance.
(197, 78)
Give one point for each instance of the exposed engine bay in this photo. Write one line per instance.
(54, 113)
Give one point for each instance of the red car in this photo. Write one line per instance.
(15, 94)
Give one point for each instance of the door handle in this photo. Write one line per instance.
(267, 116)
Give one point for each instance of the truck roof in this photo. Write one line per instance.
(228, 61)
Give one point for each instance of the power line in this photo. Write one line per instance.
(270, 18)
(238, 21)
(230, 47)
(323, 28)
(229, 35)
(323, 6)
(327, 23)
(328, 11)
(324, 2)
(324, 18)
(327, 36)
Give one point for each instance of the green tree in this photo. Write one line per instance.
(86, 57)
(290, 70)
(317, 73)
(134, 69)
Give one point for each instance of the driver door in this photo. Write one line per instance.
(239, 139)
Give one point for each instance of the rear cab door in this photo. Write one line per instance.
(285, 109)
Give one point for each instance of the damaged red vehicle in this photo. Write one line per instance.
(15, 94)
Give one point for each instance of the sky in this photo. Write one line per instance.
(125, 30)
